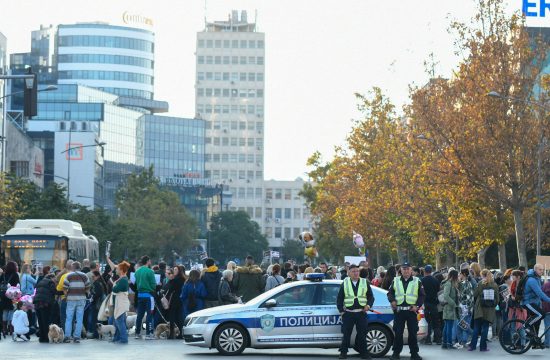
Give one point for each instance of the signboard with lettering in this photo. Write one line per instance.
(537, 12)
(75, 151)
(136, 19)
(181, 181)
(28, 243)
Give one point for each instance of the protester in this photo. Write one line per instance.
(211, 279)
(20, 323)
(11, 277)
(175, 313)
(486, 298)
(274, 279)
(225, 295)
(44, 305)
(431, 314)
(97, 293)
(76, 286)
(450, 293)
(193, 294)
(466, 304)
(121, 303)
(248, 281)
(146, 288)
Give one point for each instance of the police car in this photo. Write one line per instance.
(297, 314)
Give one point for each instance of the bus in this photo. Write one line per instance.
(51, 242)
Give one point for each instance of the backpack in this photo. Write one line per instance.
(520, 289)
(488, 298)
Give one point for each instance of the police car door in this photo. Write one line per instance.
(328, 324)
(289, 322)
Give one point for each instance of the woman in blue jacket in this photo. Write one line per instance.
(193, 294)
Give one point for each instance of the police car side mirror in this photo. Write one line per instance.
(270, 303)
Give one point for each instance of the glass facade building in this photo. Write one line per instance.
(75, 109)
(115, 59)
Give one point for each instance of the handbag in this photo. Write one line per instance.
(105, 310)
(165, 302)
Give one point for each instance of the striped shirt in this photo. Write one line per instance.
(76, 285)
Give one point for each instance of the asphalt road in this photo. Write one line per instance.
(176, 349)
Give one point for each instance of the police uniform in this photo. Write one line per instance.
(352, 298)
(406, 293)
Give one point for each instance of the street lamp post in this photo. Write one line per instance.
(69, 164)
(29, 83)
(540, 150)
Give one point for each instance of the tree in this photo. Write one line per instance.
(292, 249)
(151, 219)
(234, 235)
(491, 144)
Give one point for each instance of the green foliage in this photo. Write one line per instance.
(292, 249)
(151, 219)
(234, 235)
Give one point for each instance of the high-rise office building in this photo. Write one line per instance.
(229, 85)
(3, 53)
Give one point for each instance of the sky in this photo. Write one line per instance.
(319, 53)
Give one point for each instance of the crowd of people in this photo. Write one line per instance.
(460, 305)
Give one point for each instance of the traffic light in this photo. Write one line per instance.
(30, 96)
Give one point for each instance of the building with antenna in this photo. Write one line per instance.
(229, 87)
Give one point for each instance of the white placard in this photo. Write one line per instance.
(354, 260)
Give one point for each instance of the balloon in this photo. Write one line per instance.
(359, 243)
(307, 240)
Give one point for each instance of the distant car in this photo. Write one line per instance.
(299, 314)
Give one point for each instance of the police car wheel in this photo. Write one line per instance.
(231, 339)
(379, 341)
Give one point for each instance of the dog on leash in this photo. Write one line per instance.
(55, 334)
(104, 330)
(163, 331)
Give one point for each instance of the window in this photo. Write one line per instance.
(251, 76)
(297, 213)
(278, 194)
(278, 213)
(250, 211)
(251, 44)
(217, 60)
(269, 213)
(226, 60)
(234, 60)
(268, 232)
(209, 76)
(260, 44)
(201, 43)
(296, 233)
(242, 60)
(226, 78)
(260, 93)
(260, 60)
(258, 192)
(295, 296)
(258, 213)
(235, 44)
(218, 44)
(287, 194)
(288, 212)
(200, 75)
(225, 141)
(329, 293)
(286, 232)
(226, 44)
(209, 43)
(242, 76)
(269, 193)
(251, 60)
(20, 168)
(243, 44)
(260, 76)
(278, 232)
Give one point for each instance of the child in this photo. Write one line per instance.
(20, 323)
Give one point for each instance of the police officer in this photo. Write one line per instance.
(406, 295)
(355, 298)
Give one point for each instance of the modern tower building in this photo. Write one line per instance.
(3, 53)
(230, 75)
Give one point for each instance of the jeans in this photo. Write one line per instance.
(546, 325)
(450, 325)
(144, 307)
(63, 314)
(464, 335)
(121, 333)
(44, 315)
(481, 327)
(92, 320)
(72, 307)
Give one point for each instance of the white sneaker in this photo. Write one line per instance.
(150, 337)
(458, 346)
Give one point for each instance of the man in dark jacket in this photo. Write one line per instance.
(44, 303)
(431, 288)
(211, 280)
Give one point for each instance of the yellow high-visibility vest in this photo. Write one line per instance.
(349, 296)
(411, 295)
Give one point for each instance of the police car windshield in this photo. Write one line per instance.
(260, 299)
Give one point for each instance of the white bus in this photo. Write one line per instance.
(47, 242)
